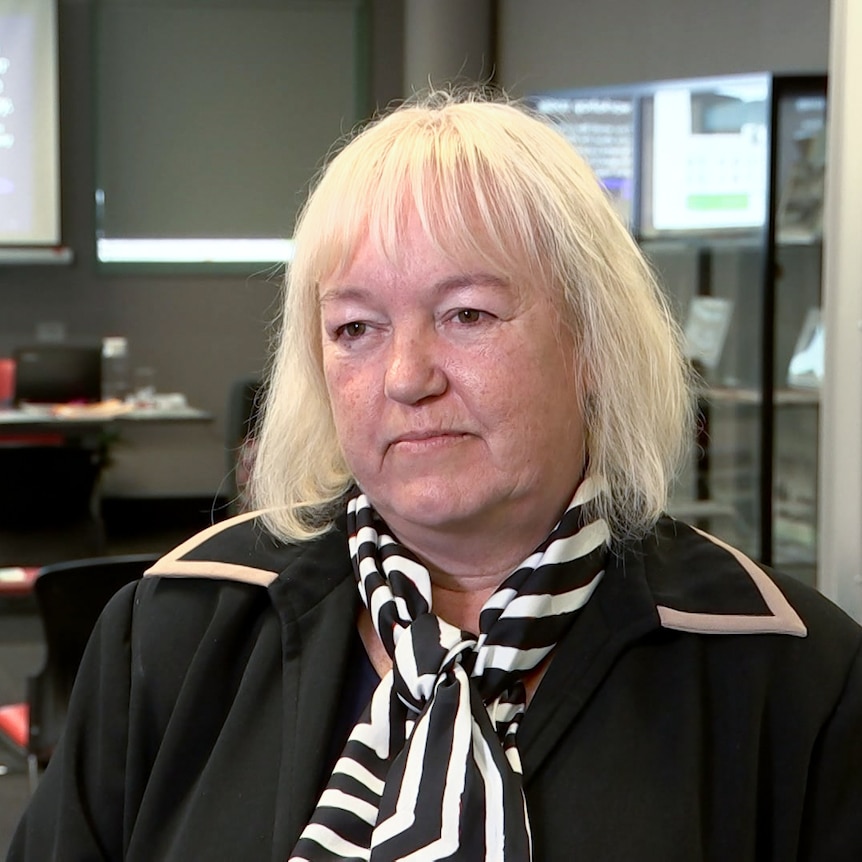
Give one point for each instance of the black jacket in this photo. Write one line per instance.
(698, 709)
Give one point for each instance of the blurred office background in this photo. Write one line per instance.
(200, 329)
(203, 327)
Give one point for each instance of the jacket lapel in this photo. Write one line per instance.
(620, 612)
(312, 589)
(678, 578)
(316, 599)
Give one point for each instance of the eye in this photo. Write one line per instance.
(468, 315)
(354, 329)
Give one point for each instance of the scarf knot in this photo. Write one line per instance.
(425, 655)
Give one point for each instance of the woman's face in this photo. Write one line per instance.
(454, 392)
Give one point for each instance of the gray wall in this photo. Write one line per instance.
(548, 44)
(200, 332)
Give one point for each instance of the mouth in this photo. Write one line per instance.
(422, 441)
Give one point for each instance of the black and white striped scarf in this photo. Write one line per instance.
(431, 769)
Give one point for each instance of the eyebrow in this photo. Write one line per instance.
(456, 282)
(442, 287)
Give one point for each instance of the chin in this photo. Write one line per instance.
(430, 504)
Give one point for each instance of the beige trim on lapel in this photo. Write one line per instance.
(171, 565)
(782, 618)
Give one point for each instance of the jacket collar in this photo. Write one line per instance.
(701, 584)
(237, 549)
(678, 578)
(298, 576)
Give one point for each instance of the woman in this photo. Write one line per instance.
(476, 408)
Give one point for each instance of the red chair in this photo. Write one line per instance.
(15, 733)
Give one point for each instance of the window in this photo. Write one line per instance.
(212, 117)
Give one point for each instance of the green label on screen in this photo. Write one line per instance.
(717, 202)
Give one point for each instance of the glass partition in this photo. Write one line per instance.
(800, 145)
(725, 198)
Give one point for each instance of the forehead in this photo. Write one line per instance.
(452, 239)
(419, 270)
(413, 245)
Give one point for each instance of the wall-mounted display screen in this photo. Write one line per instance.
(706, 155)
(602, 128)
(676, 156)
(29, 124)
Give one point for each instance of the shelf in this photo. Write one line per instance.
(734, 395)
(17, 256)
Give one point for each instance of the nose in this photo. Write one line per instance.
(414, 371)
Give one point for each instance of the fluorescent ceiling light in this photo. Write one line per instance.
(194, 250)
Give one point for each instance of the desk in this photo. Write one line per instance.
(59, 467)
(45, 420)
(166, 451)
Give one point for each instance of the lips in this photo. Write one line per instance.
(427, 439)
(413, 436)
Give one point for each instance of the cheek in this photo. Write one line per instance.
(349, 397)
(538, 401)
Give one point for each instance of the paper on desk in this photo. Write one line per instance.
(99, 410)
(14, 575)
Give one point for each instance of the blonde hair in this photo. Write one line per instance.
(485, 178)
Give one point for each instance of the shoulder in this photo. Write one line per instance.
(701, 584)
(233, 573)
(715, 618)
(241, 550)
(228, 593)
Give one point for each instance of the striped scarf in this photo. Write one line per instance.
(431, 770)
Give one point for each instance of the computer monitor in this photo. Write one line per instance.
(705, 157)
(58, 374)
(601, 123)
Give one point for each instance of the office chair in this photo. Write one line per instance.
(69, 597)
(241, 419)
(49, 502)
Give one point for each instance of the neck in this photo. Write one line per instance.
(468, 558)
(460, 607)
(467, 567)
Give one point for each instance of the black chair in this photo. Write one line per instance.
(49, 502)
(69, 596)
